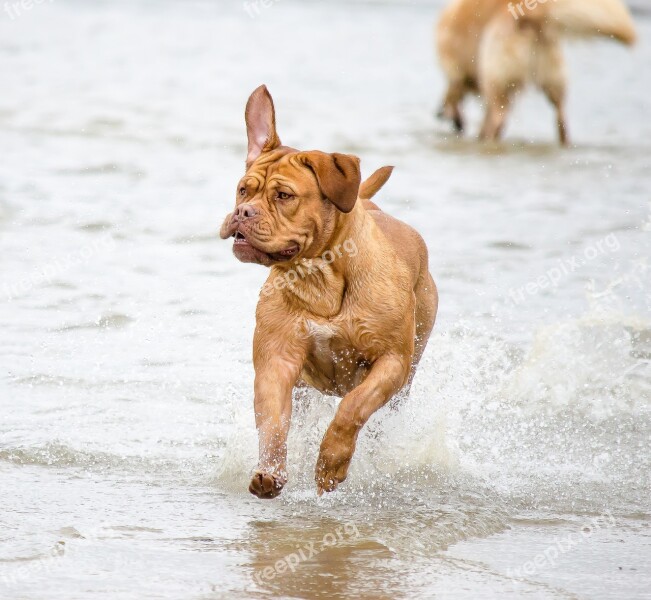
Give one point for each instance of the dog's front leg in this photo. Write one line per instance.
(387, 376)
(276, 372)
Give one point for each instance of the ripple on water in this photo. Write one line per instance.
(108, 321)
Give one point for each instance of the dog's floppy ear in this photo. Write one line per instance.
(260, 124)
(338, 176)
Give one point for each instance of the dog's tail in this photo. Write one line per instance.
(591, 18)
(374, 183)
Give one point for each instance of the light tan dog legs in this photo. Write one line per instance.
(388, 374)
(451, 108)
(556, 97)
(496, 112)
(550, 77)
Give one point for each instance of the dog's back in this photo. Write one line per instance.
(459, 31)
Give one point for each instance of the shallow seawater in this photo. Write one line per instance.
(519, 467)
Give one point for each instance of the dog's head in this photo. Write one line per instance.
(289, 203)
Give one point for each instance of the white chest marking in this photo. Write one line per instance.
(321, 334)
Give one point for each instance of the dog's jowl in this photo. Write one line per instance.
(349, 303)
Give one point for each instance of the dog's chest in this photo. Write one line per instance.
(321, 335)
(333, 365)
(317, 289)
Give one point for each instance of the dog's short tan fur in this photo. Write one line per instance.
(496, 47)
(355, 326)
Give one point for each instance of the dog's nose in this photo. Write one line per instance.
(245, 211)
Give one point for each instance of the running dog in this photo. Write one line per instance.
(349, 303)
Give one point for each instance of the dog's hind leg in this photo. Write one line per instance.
(496, 110)
(504, 67)
(427, 302)
(557, 99)
(550, 77)
(451, 107)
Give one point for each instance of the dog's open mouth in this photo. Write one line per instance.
(247, 252)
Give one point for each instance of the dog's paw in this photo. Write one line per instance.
(332, 464)
(266, 485)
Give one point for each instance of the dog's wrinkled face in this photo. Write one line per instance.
(289, 203)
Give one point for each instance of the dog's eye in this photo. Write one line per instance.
(242, 191)
(283, 196)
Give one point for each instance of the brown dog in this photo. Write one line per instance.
(496, 47)
(348, 306)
